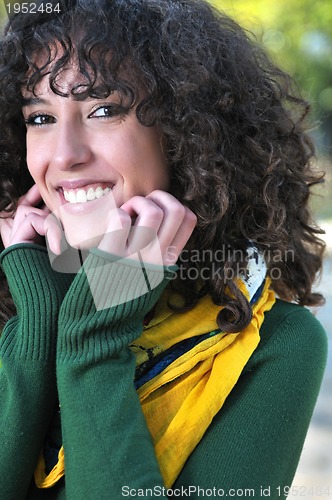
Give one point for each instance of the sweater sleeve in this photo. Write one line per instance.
(106, 440)
(27, 356)
(253, 445)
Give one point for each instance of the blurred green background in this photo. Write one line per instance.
(298, 37)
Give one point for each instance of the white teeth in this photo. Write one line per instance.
(90, 195)
(99, 192)
(71, 197)
(82, 196)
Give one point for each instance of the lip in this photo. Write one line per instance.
(80, 183)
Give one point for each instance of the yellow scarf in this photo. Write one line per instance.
(195, 383)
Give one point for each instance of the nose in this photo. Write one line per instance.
(70, 147)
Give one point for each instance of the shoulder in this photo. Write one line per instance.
(264, 420)
(292, 334)
(293, 321)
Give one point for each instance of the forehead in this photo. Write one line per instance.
(60, 65)
(66, 73)
(68, 79)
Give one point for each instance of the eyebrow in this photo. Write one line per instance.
(30, 101)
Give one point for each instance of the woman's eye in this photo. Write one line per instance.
(41, 119)
(107, 111)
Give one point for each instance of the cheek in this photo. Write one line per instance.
(158, 170)
(153, 166)
(31, 158)
(32, 170)
(35, 160)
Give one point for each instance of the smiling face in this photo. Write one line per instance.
(80, 151)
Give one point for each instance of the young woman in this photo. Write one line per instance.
(154, 180)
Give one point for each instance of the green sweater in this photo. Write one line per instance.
(59, 348)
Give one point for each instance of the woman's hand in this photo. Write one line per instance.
(161, 228)
(27, 224)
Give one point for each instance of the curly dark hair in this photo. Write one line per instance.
(232, 124)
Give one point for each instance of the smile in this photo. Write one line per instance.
(84, 195)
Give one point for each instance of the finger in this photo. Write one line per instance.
(16, 229)
(173, 222)
(114, 240)
(53, 234)
(32, 226)
(31, 197)
(166, 252)
(174, 213)
(178, 224)
(6, 231)
(181, 238)
(148, 220)
(145, 212)
(22, 212)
